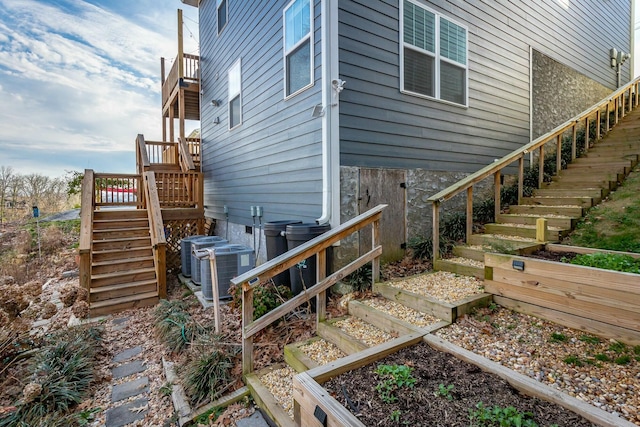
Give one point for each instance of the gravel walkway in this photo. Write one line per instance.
(322, 351)
(363, 331)
(280, 384)
(602, 372)
(401, 312)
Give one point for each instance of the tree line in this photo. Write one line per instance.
(20, 192)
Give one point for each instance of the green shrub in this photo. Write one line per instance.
(360, 280)
(393, 378)
(208, 375)
(266, 297)
(454, 226)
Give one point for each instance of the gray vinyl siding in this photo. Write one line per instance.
(382, 127)
(273, 159)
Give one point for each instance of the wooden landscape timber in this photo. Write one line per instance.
(602, 302)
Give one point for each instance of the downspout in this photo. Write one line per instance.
(331, 88)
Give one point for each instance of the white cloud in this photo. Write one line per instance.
(80, 77)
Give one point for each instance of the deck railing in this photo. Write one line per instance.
(117, 189)
(619, 102)
(316, 247)
(86, 229)
(184, 156)
(156, 231)
(183, 70)
(179, 189)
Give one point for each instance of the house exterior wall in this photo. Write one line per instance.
(382, 127)
(273, 159)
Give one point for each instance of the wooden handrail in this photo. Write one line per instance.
(117, 189)
(315, 247)
(555, 135)
(156, 230)
(86, 228)
(186, 160)
(505, 161)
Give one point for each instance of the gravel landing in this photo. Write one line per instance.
(442, 286)
(363, 331)
(280, 383)
(602, 372)
(322, 351)
(466, 261)
(401, 312)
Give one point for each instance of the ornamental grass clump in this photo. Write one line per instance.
(61, 373)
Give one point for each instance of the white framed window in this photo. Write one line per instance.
(235, 94)
(433, 55)
(298, 46)
(223, 14)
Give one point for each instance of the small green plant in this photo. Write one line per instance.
(636, 350)
(573, 360)
(395, 415)
(445, 391)
(497, 416)
(393, 378)
(265, 298)
(211, 415)
(618, 347)
(455, 226)
(558, 337)
(207, 376)
(623, 360)
(589, 339)
(616, 262)
(166, 389)
(602, 357)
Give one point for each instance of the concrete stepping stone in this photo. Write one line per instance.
(255, 420)
(119, 323)
(127, 354)
(130, 388)
(128, 413)
(127, 369)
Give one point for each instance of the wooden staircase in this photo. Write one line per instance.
(123, 272)
(562, 202)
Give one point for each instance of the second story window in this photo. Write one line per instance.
(434, 54)
(221, 6)
(298, 46)
(235, 95)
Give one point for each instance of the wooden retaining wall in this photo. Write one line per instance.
(602, 302)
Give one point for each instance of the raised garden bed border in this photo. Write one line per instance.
(312, 402)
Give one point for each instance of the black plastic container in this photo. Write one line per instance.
(274, 232)
(298, 234)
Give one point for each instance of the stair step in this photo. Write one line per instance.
(123, 290)
(469, 252)
(128, 264)
(118, 277)
(618, 167)
(345, 342)
(266, 401)
(589, 176)
(381, 320)
(573, 211)
(505, 244)
(104, 224)
(301, 361)
(116, 233)
(462, 266)
(586, 202)
(562, 192)
(576, 184)
(111, 214)
(119, 254)
(564, 222)
(101, 308)
(122, 244)
(554, 234)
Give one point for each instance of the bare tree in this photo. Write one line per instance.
(35, 187)
(6, 176)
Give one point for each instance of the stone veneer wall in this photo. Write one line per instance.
(550, 78)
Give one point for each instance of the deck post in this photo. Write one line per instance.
(521, 177)
(558, 154)
(586, 134)
(540, 166)
(436, 231)
(608, 115)
(247, 319)
(164, 121)
(375, 242)
(469, 213)
(574, 136)
(321, 298)
(496, 195)
(598, 125)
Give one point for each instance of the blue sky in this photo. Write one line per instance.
(80, 79)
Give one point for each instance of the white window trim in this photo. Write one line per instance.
(239, 64)
(294, 47)
(226, 21)
(436, 56)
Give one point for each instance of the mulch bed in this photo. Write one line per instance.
(553, 256)
(422, 406)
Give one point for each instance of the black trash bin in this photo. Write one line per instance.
(274, 232)
(298, 234)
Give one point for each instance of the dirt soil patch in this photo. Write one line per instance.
(553, 256)
(464, 386)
